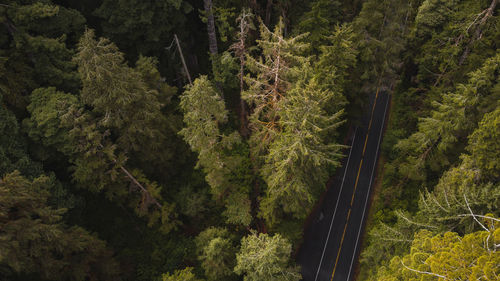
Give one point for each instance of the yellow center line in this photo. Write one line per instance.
(355, 186)
(366, 141)
(356, 183)
(341, 241)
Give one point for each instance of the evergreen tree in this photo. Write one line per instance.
(35, 48)
(319, 21)
(296, 166)
(181, 275)
(204, 115)
(142, 27)
(451, 120)
(273, 74)
(13, 147)
(59, 120)
(117, 94)
(264, 257)
(485, 147)
(216, 253)
(34, 239)
(448, 257)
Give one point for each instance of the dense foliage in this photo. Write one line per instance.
(190, 140)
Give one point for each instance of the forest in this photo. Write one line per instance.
(190, 140)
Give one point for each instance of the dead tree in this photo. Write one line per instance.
(212, 38)
(239, 49)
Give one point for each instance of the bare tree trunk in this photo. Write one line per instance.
(240, 51)
(269, 8)
(212, 38)
(182, 58)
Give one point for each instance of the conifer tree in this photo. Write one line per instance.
(204, 116)
(34, 239)
(319, 21)
(13, 148)
(181, 275)
(216, 251)
(449, 257)
(59, 120)
(117, 94)
(264, 257)
(142, 27)
(296, 165)
(36, 48)
(451, 120)
(273, 74)
(292, 115)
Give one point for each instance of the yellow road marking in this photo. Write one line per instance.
(355, 187)
(341, 241)
(356, 183)
(366, 141)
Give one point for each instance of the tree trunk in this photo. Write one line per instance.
(212, 38)
(269, 8)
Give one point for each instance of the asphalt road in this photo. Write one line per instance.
(332, 239)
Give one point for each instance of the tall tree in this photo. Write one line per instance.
(319, 21)
(292, 117)
(296, 166)
(35, 49)
(216, 251)
(448, 257)
(119, 111)
(240, 49)
(264, 257)
(273, 75)
(205, 115)
(453, 118)
(34, 239)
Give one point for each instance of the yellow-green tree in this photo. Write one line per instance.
(475, 256)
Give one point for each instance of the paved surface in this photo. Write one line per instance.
(332, 239)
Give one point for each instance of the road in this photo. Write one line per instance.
(332, 239)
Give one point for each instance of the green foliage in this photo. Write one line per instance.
(93, 120)
(452, 119)
(448, 257)
(142, 27)
(36, 48)
(296, 165)
(119, 97)
(48, 107)
(456, 36)
(181, 275)
(204, 115)
(61, 121)
(216, 251)
(336, 59)
(380, 29)
(13, 148)
(34, 240)
(319, 21)
(273, 77)
(224, 18)
(264, 257)
(485, 147)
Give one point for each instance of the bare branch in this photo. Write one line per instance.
(474, 216)
(424, 272)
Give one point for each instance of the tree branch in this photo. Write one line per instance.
(424, 272)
